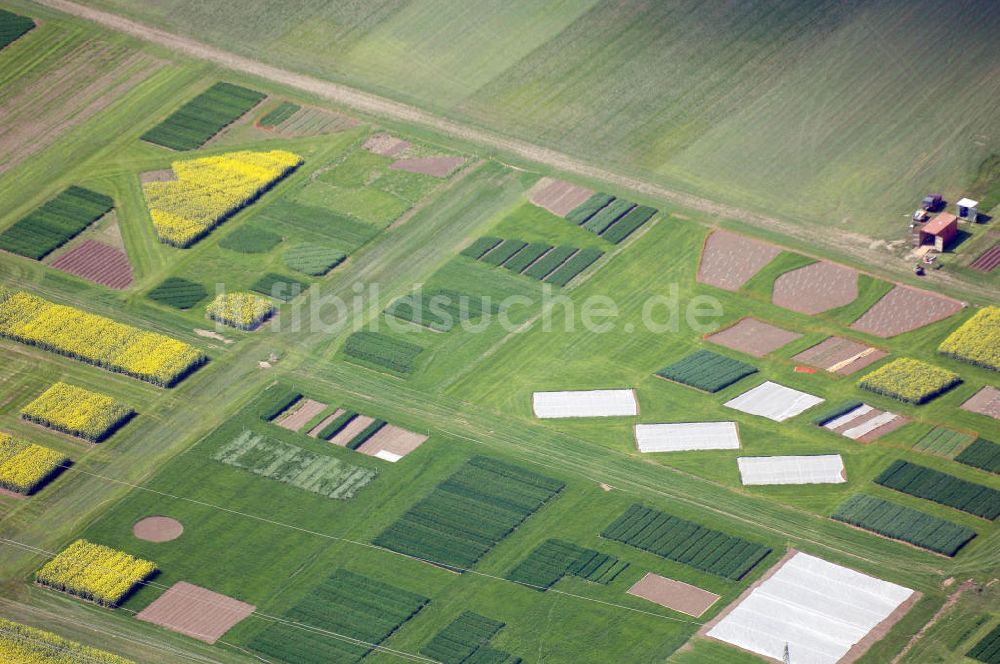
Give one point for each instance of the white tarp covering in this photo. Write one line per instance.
(386, 455)
(680, 436)
(585, 403)
(819, 609)
(818, 469)
(773, 401)
(848, 417)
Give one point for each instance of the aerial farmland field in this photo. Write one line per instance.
(469, 333)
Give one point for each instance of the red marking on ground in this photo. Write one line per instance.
(805, 370)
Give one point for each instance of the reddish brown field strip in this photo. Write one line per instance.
(158, 529)
(988, 260)
(816, 288)
(729, 260)
(557, 196)
(386, 145)
(840, 356)
(393, 440)
(985, 402)
(904, 309)
(674, 595)
(353, 428)
(438, 167)
(97, 262)
(753, 337)
(196, 612)
(326, 420)
(300, 416)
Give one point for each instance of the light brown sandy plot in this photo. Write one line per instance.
(840, 356)
(816, 288)
(385, 145)
(395, 441)
(97, 262)
(672, 594)
(326, 420)
(558, 196)
(157, 529)
(162, 175)
(903, 309)
(753, 337)
(196, 612)
(985, 402)
(729, 260)
(297, 418)
(438, 167)
(353, 428)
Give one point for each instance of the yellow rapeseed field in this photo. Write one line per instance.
(94, 572)
(977, 341)
(909, 380)
(68, 331)
(77, 411)
(26, 645)
(241, 310)
(208, 190)
(24, 465)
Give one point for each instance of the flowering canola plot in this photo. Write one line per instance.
(209, 190)
(95, 572)
(240, 310)
(77, 411)
(148, 356)
(20, 643)
(977, 341)
(24, 466)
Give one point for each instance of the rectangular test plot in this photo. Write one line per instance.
(817, 469)
(684, 436)
(585, 403)
(773, 401)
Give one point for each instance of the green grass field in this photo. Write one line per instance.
(282, 520)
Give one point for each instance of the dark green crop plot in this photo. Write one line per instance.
(284, 111)
(988, 650)
(337, 425)
(707, 371)
(915, 480)
(365, 434)
(55, 223)
(836, 411)
(383, 351)
(275, 400)
(279, 287)
(250, 240)
(628, 224)
(460, 640)
(178, 293)
(903, 523)
(203, 117)
(686, 542)
(313, 259)
(581, 214)
(548, 263)
(13, 26)
(479, 248)
(504, 252)
(527, 256)
(611, 213)
(981, 454)
(348, 604)
(469, 513)
(440, 309)
(574, 266)
(553, 559)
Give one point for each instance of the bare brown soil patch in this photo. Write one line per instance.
(45, 104)
(840, 356)
(354, 427)
(672, 594)
(439, 167)
(386, 145)
(904, 309)
(299, 417)
(816, 288)
(753, 337)
(326, 420)
(729, 260)
(97, 262)
(209, 334)
(157, 529)
(12, 494)
(985, 402)
(395, 441)
(196, 612)
(162, 175)
(558, 196)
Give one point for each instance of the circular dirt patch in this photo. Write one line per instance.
(157, 529)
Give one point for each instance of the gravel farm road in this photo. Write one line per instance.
(857, 246)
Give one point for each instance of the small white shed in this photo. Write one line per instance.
(967, 209)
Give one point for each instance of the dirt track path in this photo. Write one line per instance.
(855, 245)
